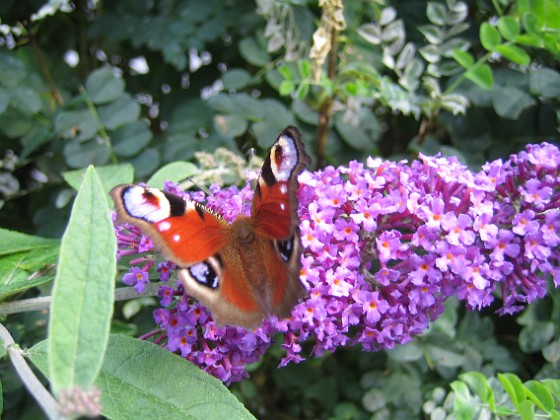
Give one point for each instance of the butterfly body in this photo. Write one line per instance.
(244, 271)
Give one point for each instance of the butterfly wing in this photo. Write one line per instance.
(275, 220)
(184, 231)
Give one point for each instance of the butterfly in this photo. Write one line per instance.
(244, 271)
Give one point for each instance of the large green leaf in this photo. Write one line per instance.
(12, 242)
(90, 152)
(141, 380)
(26, 269)
(82, 303)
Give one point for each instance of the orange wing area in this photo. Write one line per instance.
(272, 212)
(190, 238)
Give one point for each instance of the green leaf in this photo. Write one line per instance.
(408, 353)
(479, 384)
(90, 152)
(286, 72)
(141, 380)
(26, 99)
(4, 99)
(513, 386)
(508, 27)
(286, 88)
(544, 82)
(82, 302)
(131, 139)
(123, 111)
(514, 54)
(489, 36)
(525, 410)
(146, 162)
(481, 75)
(436, 13)
(253, 53)
(510, 102)
(76, 124)
(304, 68)
(109, 175)
(275, 117)
(352, 135)
(230, 125)
(463, 407)
(553, 386)
(26, 269)
(103, 86)
(236, 79)
(174, 171)
(540, 395)
(464, 58)
(13, 242)
(445, 357)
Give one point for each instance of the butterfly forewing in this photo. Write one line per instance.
(183, 231)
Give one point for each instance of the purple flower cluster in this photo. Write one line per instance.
(385, 244)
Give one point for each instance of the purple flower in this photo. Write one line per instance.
(384, 245)
(136, 277)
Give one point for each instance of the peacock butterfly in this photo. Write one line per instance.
(244, 271)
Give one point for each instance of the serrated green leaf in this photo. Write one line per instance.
(508, 27)
(174, 171)
(109, 175)
(131, 139)
(103, 86)
(513, 386)
(510, 102)
(12, 242)
(124, 110)
(82, 301)
(540, 395)
(514, 53)
(481, 75)
(141, 380)
(489, 36)
(236, 79)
